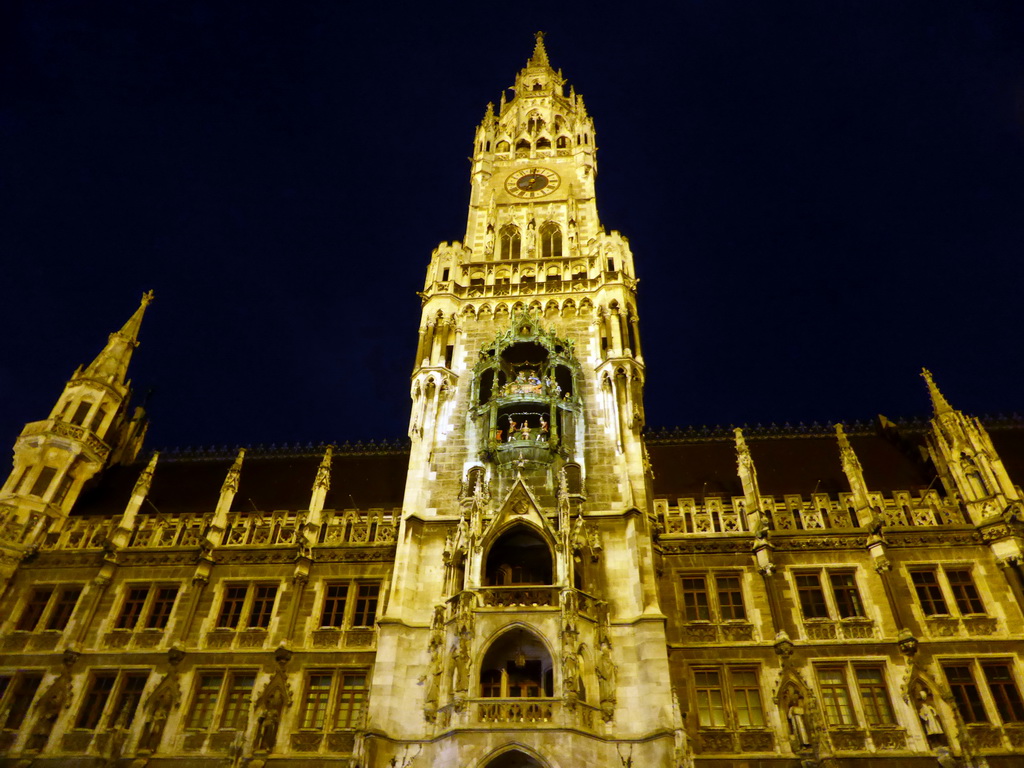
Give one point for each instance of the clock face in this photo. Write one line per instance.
(532, 182)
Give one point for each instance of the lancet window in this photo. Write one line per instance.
(551, 241)
(511, 242)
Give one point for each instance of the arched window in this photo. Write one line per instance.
(517, 665)
(522, 144)
(503, 146)
(550, 241)
(519, 556)
(511, 242)
(543, 143)
(562, 142)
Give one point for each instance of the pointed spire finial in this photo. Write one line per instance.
(146, 476)
(939, 402)
(323, 472)
(540, 55)
(231, 481)
(111, 365)
(846, 452)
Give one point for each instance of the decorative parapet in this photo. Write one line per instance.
(533, 713)
(244, 530)
(70, 431)
(791, 513)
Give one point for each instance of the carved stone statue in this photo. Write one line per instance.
(165, 697)
(606, 682)
(271, 703)
(797, 717)
(461, 660)
(56, 698)
(930, 720)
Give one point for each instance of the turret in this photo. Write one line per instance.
(89, 427)
(967, 460)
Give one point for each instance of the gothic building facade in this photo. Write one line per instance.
(533, 579)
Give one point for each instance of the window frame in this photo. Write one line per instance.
(15, 701)
(863, 709)
(712, 592)
(955, 595)
(147, 606)
(93, 715)
(829, 592)
(48, 608)
(221, 702)
(331, 707)
(353, 608)
(728, 700)
(993, 702)
(248, 606)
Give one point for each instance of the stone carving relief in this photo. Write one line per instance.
(54, 700)
(436, 666)
(272, 702)
(165, 697)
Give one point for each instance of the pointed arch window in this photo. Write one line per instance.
(517, 665)
(519, 556)
(511, 242)
(522, 145)
(551, 241)
(543, 143)
(502, 146)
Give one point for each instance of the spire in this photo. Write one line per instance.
(111, 365)
(939, 402)
(540, 55)
(230, 485)
(747, 473)
(852, 469)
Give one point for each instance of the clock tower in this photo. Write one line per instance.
(523, 599)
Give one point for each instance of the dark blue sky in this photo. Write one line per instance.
(821, 198)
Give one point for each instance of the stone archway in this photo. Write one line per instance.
(514, 759)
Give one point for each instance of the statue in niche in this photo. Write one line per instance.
(165, 697)
(542, 434)
(930, 720)
(56, 698)
(796, 715)
(436, 664)
(606, 682)
(524, 432)
(512, 427)
(461, 661)
(269, 722)
(271, 703)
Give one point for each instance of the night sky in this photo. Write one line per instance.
(821, 197)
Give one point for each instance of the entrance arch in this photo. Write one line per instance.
(514, 759)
